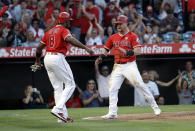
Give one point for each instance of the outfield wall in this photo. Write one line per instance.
(15, 75)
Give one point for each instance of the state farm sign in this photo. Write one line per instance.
(156, 49)
(75, 51)
(146, 49)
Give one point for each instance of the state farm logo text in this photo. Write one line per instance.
(156, 49)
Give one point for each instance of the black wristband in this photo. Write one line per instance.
(130, 52)
(102, 56)
(107, 49)
(38, 54)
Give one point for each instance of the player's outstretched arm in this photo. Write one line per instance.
(37, 65)
(38, 53)
(134, 52)
(102, 56)
(77, 43)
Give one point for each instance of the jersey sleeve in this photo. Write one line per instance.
(65, 33)
(135, 41)
(43, 40)
(109, 44)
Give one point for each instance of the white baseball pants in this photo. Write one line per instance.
(59, 72)
(131, 72)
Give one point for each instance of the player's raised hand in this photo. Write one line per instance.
(97, 61)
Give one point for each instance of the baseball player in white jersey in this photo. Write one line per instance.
(56, 41)
(126, 46)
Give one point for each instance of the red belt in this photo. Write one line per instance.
(52, 53)
(121, 62)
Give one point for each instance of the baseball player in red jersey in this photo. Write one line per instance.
(56, 41)
(126, 46)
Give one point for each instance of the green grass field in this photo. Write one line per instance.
(42, 120)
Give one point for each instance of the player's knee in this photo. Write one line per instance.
(112, 89)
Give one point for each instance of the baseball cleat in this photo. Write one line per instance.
(157, 111)
(109, 116)
(61, 117)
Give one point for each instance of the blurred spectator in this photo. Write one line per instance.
(101, 4)
(25, 22)
(91, 96)
(94, 36)
(133, 13)
(170, 23)
(50, 23)
(138, 27)
(124, 3)
(32, 5)
(40, 14)
(15, 37)
(190, 23)
(193, 38)
(177, 38)
(64, 5)
(149, 35)
(24, 9)
(15, 10)
(38, 32)
(126, 12)
(32, 97)
(139, 99)
(108, 32)
(190, 4)
(103, 78)
(3, 9)
(153, 76)
(89, 13)
(158, 38)
(188, 72)
(5, 26)
(113, 24)
(30, 40)
(111, 11)
(161, 100)
(174, 5)
(150, 17)
(75, 100)
(76, 16)
(185, 91)
(163, 9)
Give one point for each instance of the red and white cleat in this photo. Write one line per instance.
(109, 116)
(61, 117)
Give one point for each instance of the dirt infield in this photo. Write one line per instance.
(164, 116)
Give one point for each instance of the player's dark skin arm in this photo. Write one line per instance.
(39, 51)
(77, 43)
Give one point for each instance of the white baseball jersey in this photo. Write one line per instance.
(125, 67)
(103, 85)
(58, 69)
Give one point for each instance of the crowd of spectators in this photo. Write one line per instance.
(24, 22)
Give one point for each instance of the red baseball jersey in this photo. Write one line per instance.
(54, 39)
(127, 42)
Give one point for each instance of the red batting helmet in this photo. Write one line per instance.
(121, 19)
(63, 17)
